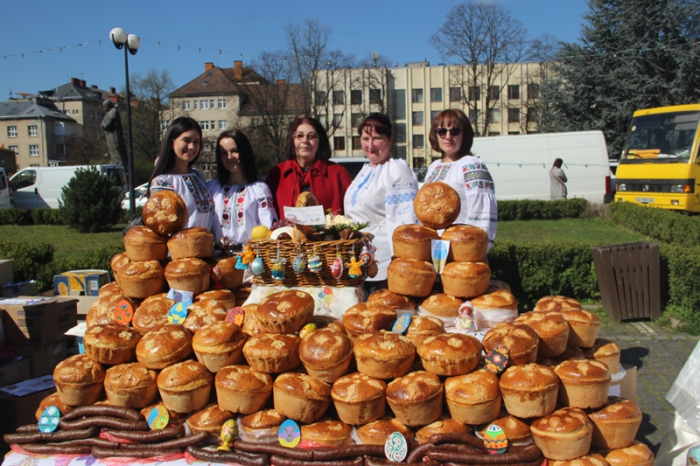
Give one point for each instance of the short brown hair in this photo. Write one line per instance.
(452, 117)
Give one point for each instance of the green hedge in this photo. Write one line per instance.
(660, 224)
(540, 210)
(97, 259)
(29, 261)
(15, 217)
(46, 217)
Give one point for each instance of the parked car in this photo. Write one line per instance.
(140, 195)
(5, 191)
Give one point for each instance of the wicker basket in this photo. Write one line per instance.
(326, 250)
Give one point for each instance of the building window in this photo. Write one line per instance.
(211, 104)
(417, 96)
(11, 131)
(495, 115)
(223, 124)
(513, 115)
(212, 124)
(338, 97)
(494, 133)
(339, 143)
(455, 94)
(433, 115)
(196, 104)
(533, 91)
(337, 120)
(204, 124)
(185, 104)
(494, 92)
(472, 115)
(400, 133)
(34, 150)
(222, 103)
(375, 96)
(204, 104)
(513, 91)
(417, 118)
(532, 115)
(356, 119)
(15, 149)
(75, 111)
(356, 143)
(436, 94)
(33, 131)
(474, 93)
(320, 97)
(356, 97)
(60, 149)
(164, 125)
(398, 104)
(418, 141)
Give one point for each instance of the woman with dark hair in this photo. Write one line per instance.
(557, 181)
(240, 201)
(452, 135)
(382, 193)
(307, 169)
(173, 170)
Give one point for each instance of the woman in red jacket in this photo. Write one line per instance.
(307, 169)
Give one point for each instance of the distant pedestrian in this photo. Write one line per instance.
(557, 178)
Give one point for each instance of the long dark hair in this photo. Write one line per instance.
(324, 147)
(245, 157)
(166, 156)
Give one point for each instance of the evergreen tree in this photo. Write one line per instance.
(633, 54)
(90, 202)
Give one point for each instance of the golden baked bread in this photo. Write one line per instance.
(635, 455)
(615, 425)
(141, 279)
(285, 311)
(552, 329)
(79, 380)
(219, 344)
(331, 433)
(397, 302)
(368, 317)
(473, 398)
(571, 352)
(111, 344)
(163, 346)
(376, 433)
(272, 352)
(465, 279)
(584, 383)
(262, 427)
(224, 297)
(193, 242)
(116, 262)
(131, 385)
(607, 352)
(203, 313)
(51, 400)
(467, 243)
(301, 397)
(441, 305)
(358, 398)
(231, 277)
(450, 353)
(252, 326)
(437, 205)
(190, 274)
(443, 426)
(494, 308)
(563, 435)
(384, 356)
(328, 322)
(517, 431)
(592, 459)
(185, 387)
(529, 390)
(422, 328)
(499, 299)
(143, 244)
(416, 398)
(165, 212)
(326, 354)
(210, 419)
(152, 313)
(410, 277)
(240, 389)
(109, 289)
(413, 242)
(556, 303)
(584, 327)
(519, 339)
(102, 311)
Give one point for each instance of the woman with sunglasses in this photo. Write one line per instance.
(452, 135)
(382, 193)
(307, 169)
(240, 201)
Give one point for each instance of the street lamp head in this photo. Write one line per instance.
(133, 43)
(118, 37)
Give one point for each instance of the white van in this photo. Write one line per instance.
(41, 187)
(520, 164)
(5, 191)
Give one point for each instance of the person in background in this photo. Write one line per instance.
(240, 201)
(382, 193)
(307, 168)
(557, 181)
(173, 170)
(452, 135)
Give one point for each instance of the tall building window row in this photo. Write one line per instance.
(34, 150)
(11, 131)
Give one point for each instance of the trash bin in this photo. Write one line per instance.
(629, 280)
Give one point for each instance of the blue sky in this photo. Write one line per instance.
(181, 36)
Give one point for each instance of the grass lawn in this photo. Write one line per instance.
(596, 231)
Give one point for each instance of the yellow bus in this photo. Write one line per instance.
(659, 165)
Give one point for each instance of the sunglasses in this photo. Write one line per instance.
(442, 132)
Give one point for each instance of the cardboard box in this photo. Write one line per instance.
(7, 271)
(18, 411)
(14, 371)
(627, 387)
(84, 304)
(13, 290)
(43, 359)
(38, 321)
(80, 282)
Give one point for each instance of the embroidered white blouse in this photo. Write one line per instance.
(472, 181)
(193, 190)
(382, 195)
(240, 208)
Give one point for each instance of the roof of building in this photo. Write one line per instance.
(76, 90)
(36, 108)
(217, 81)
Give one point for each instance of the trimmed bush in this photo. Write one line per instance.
(90, 202)
(46, 217)
(98, 259)
(540, 210)
(15, 217)
(29, 260)
(660, 224)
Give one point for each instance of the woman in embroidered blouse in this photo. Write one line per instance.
(452, 135)
(307, 169)
(240, 201)
(382, 193)
(173, 170)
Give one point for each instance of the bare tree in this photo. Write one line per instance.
(486, 39)
(542, 50)
(149, 98)
(86, 150)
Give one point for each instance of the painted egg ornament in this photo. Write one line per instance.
(228, 433)
(307, 330)
(372, 269)
(123, 312)
(401, 324)
(315, 264)
(495, 439)
(395, 447)
(158, 417)
(235, 316)
(177, 314)
(257, 266)
(289, 434)
(278, 270)
(497, 360)
(366, 255)
(298, 264)
(337, 268)
(48, 422)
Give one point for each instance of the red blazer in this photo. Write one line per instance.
(328, 182)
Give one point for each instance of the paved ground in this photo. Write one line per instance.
(659, 354)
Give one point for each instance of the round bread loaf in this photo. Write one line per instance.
(141, 279)
(109, 289)
(410, 277)
(441, 305)
(231, 277)
(272, 352)
(164, 346)
(262, 427)
(193, 242)
(301, 397)
(385, 355)
(79, 380)
(358, 398)
(422, 328)
(529, 390)
(165, 212)
(111, 344)
(331, 433)
(635, 455)
(118, 260)
(615, 425)
(494, 308)
(143, 244)
(368, 317)
(607, 352)
(499, 299)
(219, 344)
(241, 389)
(413, 242)
(326, 354)
(584, 383)
(51, 400)
(223, 297)
(328, 322)
(519, 339)
(556, 302)
(131, 385)
(416, 398)
(285, 311)
(102, 311)
(465, 279)
(401, 304)
(210, 419)
(437, 205)
(185, 387)
(552, 329)
(473, 398)
(592, 459)
(252, 326)
(450, 354)
(190, 274)
(152, 313)
(584, 327)
(571, 352)
(376, 433)
(203, 313)
(467, 243)
(517, 431)
(563, 435)
(443, 426)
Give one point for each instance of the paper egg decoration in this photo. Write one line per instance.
(48, 422)
(177, 314)
(395, 447)
(158, 417)
(495, 439)
(289, 434)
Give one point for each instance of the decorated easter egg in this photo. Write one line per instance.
(495, 439)
(278, 270)
(257, 266)
(395, 447)
(366, 256)
(315, 264)
(228, 433)
(337, 268)
(123, 312)
(497, 360)
(401, 324)
(235, 316)
(298, 265)
(306, 330)
(48, 422)
(177, 314)
(289, 434)
(158, 417)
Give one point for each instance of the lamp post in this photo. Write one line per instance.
(120, 40)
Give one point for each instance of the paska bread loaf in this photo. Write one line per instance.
(143, 244)
(326, 354)
(358, 398)
(241, 389)
(131, 385)
(79, 380)
(563, 435)
(413, 242)
(465, 279)
(529, 390)
(410, 277)
(193, 242)
(467, 243)
(165, 212)
(185, 387)
(584, 383)
(416, 398)
(285, 311)
(437, 205)
(301, 397)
